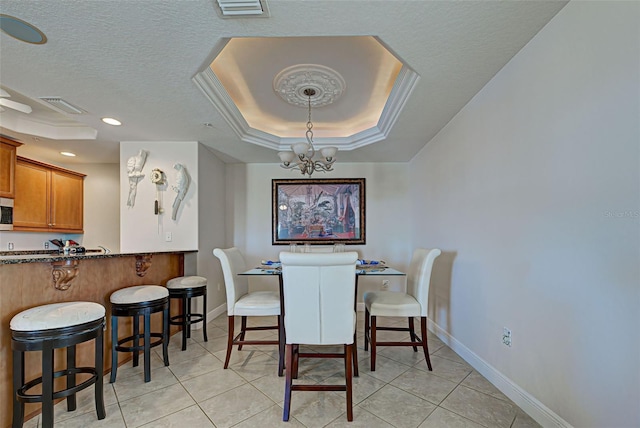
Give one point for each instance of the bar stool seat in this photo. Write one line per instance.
(46, 328)
(139, 301)
(185, 288)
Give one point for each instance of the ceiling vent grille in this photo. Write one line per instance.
(61, 104)
(243, 8)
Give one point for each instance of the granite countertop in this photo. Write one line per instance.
(15, 257)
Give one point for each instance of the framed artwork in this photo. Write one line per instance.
(322, 212)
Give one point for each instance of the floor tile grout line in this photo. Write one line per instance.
(323, 378)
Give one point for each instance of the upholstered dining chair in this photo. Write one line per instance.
(319, 295)
(242, 303)
(412, 303)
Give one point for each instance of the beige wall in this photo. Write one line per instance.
(101, 206)
(211, 224)
(387, 203)
(533, 192)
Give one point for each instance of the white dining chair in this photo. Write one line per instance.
(412, 303)
(241, 302)
(319, 297)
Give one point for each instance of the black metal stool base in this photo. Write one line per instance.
(47, 341)
(137, 310)
(187, 318)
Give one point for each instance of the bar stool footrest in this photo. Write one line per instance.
(152, 344)
(191, 319)
(37, 398)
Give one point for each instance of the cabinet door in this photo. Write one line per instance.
(7, 170)
(66, 201)
(31, 205)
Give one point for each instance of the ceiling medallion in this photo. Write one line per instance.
(292, 82)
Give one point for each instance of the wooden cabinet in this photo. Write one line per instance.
(48, 198)
(8, 166)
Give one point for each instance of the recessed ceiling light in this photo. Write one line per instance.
(68, 154)
(111, 121)
(21, 30)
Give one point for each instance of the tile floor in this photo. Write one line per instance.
(194, 391)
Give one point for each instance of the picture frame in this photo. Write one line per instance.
(318, 212)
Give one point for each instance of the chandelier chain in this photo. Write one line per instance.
(305, 162)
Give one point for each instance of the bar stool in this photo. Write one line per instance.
(137, 301)
(184, 288)
(46, 328)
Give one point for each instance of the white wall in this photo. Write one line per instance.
(140, 229)
(533, 192)
(388, 231)
(101, 206)
(211, 228)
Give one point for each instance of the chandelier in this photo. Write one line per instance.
(303, 153)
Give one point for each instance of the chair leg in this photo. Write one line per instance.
(18, 382)
(281, 342)
(412, 334)
(136, 340)
(288, 382)
(373, 343)
(166, 316)
(349, 379)
(425, 347)
(366, 329)
(71, 377)
(356, 373)
(47, 386)
(185, 321)
(147, 347)
(231, 323)
(99, 366)
(243, 330)
(114, 352)
(188, 317)
(204, 317)
(296, 360)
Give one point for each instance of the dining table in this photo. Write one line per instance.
(363, 268)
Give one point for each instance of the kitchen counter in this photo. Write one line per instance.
(29, 279)
(13, 257)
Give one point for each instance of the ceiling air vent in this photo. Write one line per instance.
(243, 8)
(62, 105)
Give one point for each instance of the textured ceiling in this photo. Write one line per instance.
(136, 61)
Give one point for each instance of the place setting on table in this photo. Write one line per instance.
(363, 267)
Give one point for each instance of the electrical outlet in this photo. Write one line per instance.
(219, 289)
(10, 246)
(385, 284)
(167, 236)
(506, 336)
(46, 245)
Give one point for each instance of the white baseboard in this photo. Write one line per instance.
(222, 309)
(211, 315)
(534, 408)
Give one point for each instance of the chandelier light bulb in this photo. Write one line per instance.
(328, 153)
(300, 148)
(286, 157)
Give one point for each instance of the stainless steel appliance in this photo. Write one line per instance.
(6, 214)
